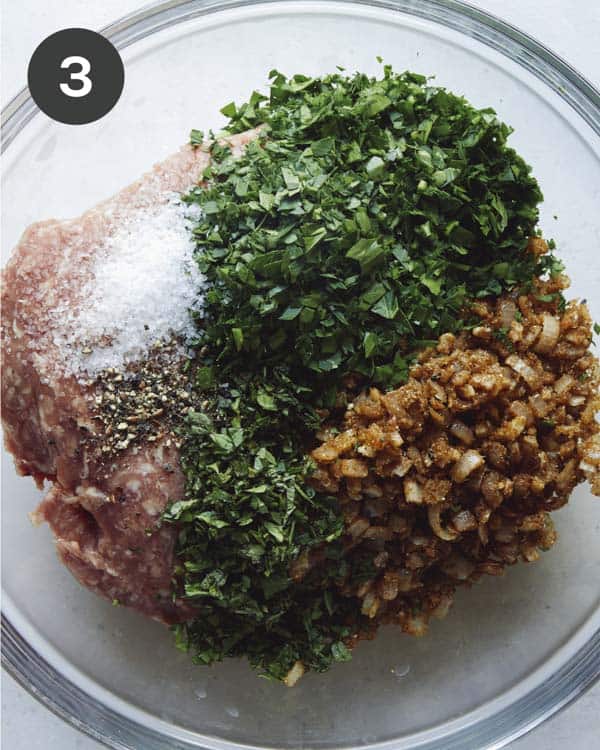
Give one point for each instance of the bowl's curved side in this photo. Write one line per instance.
(90, 716)
(561, 77)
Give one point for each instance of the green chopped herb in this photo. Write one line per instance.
(501, 335)
(352, 231)
(358, 183)
(247, 516)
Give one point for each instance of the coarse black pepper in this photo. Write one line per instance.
(144, 402)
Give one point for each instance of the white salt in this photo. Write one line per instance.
(143, 284)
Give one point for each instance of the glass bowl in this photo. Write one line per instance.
(513, 650)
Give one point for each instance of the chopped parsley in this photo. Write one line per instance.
(358, 223)
(246, 517)
(352, 231)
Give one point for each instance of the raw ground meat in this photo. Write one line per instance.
(104, 512)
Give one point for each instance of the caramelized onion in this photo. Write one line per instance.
(563, 384)
(433, 515)
(539, 406)
(464, 521)
(294, 674)
(463, 432)
(370, 605)
(416, 625)
(466, 464)
(458, 567)
(526, 371)
(519, 409)
(507, 310)
(413, 492)
(549, 335)
(402, 468)
(443, 607)
(491, 488)
(357, 528)
(390, 585)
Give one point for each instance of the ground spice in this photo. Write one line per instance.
(143, 402)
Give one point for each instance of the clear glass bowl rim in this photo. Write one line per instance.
(582, 670)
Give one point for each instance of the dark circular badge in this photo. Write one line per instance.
(75, 76)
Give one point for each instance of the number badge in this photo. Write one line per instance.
(80, 75)
(76, 76)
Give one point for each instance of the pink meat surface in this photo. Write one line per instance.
(105, 513)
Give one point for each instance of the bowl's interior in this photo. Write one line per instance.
(498, 634)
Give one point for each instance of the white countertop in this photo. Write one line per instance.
(569, 27)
